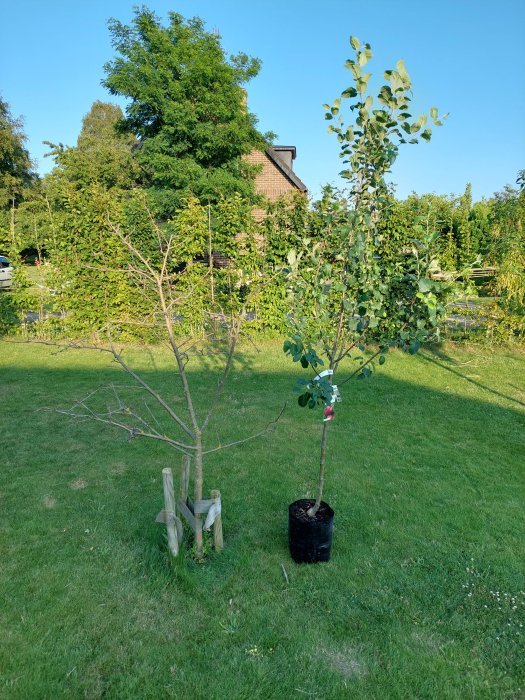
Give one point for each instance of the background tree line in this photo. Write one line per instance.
(173, 165)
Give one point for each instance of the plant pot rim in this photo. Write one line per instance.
(308, 502)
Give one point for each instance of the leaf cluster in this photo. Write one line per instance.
(370, 144)
(351, 301)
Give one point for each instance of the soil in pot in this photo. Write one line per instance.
(310, 539)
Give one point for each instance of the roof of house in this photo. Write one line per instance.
(273, 155)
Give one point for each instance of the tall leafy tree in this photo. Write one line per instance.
(346, 298)
(92, 181)
(187, 107)
(16, 168)
(103, 154)
(17, 175)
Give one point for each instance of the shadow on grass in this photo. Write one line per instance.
(448, 360)
(385, 428)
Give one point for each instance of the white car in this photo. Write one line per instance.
(6, 273)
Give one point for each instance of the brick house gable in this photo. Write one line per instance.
(276, 177)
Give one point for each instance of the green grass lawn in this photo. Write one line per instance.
(424, 596)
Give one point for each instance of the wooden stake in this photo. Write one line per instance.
(217, 525)
(169, 509)
(185, 478)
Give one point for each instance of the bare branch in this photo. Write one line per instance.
(121, 418)
(133, 250)
(270, 426)
(347, 351)
(118, 357)
(360, 368)
(131, 430)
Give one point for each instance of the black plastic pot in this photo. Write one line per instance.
(310, 539)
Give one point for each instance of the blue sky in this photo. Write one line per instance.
(465, 56)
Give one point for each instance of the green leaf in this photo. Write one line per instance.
(349, 92)
(382, 359)
(414, 347)
(304, 362)
(303, 399)
(356, 71)
(355, 43)
(400, 65)
(425, 285)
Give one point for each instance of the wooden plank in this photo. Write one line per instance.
(203, 506)
(170, 511)
(186, 512)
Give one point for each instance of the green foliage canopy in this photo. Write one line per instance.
(103, 154)
(16, 169)
(187, 108)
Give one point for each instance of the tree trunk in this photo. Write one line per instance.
(313, 510)
(198, 494)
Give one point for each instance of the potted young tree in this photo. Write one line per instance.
(351, 303)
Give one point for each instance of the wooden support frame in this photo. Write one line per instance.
(192, 512)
